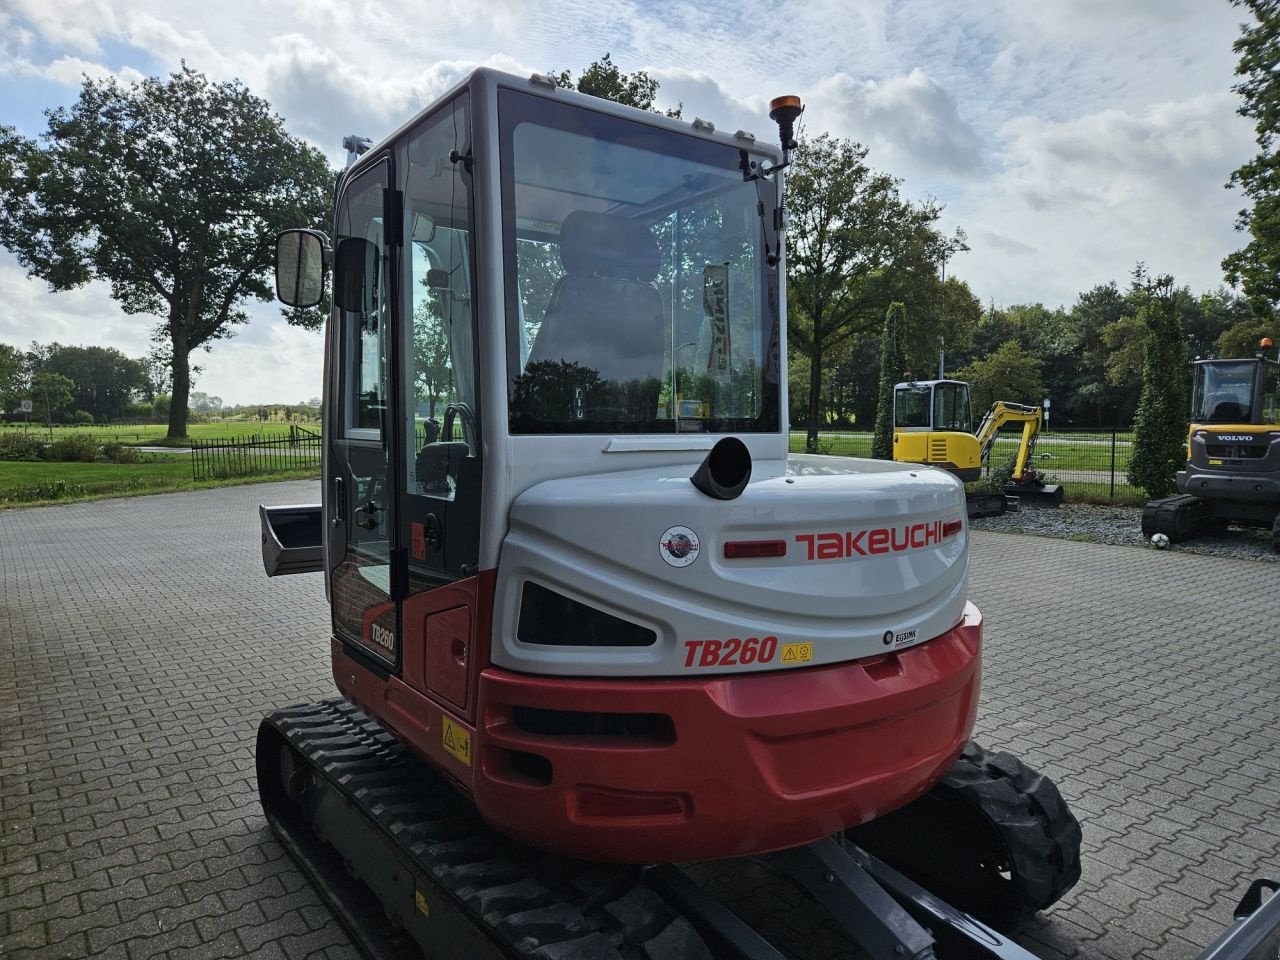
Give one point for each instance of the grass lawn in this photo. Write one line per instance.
(151, 433)
(42, 482)
(1083, 460)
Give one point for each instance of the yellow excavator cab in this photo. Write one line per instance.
(933, 424)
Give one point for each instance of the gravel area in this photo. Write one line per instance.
(1122, 526)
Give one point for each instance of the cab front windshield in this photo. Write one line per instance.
(638, 294)
(1223, 392)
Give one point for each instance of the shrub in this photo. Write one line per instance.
(75, 447)
(119, 453)
(82, 416)
(20, 446)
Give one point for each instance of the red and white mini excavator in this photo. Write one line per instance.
(590, 620)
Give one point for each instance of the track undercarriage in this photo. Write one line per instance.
(431, 878)
(1185, 517)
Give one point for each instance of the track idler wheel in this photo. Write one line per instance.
(993, 837)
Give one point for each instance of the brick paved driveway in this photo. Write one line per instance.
(140, 643)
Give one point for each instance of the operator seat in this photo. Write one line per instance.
(1228, 410)
(605, 314)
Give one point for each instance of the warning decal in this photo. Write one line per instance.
(797, 652)
(456, 739)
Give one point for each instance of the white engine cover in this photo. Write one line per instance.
(868, 568)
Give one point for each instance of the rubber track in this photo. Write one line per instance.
(1180, 517)
(1041, 835)
(988, 814)
(531, 903)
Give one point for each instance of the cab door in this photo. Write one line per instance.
(443, 608)
(361, 501)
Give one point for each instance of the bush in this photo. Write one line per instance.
(20, 446)
(119, 453)
(82, 416)
(77, 447)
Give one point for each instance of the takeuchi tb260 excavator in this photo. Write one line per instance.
(933, 425)
(589, 620)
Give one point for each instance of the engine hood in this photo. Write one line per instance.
(874, 558)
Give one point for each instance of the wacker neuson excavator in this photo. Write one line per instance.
(933, 424)
(592, 627)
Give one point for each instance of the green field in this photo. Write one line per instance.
(145, 433)
(1082, 463)
(57, 482)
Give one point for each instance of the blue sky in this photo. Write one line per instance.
(1069, 138)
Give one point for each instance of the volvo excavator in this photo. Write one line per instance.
(1232, 474)
(595, 630)
(933, 425)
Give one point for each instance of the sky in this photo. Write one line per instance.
(1070, 139)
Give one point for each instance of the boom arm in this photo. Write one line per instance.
(1000, 415)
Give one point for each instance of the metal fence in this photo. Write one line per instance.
(299, 449)
(1090, 464)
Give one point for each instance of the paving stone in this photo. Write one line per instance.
(127, 723)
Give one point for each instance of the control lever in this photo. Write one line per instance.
(367, 515)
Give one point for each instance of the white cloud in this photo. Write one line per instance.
(1079, 202)
(1068, 138)
(71, 71)
(77, 24)
(911, 123)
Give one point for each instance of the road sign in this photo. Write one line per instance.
(25, 406)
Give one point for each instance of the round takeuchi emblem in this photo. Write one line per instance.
(679, 546)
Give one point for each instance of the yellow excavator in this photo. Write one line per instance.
(933, 424)
(1232, 474)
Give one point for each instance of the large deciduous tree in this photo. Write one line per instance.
(1257, 266)
(105, 379)
(854, 246)
(1160, 428)
(171, 190)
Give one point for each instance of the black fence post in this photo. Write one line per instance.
(1113, 466)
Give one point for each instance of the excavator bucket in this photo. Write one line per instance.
(1036, 494)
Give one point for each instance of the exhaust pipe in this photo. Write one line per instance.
(726, 470)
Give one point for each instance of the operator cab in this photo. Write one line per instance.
(941, 405)
(1236, 391)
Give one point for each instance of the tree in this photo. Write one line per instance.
(105, 379)
(1160, 429)
(1009, 374)
(606, 80)
(13, 377)
(854, 246)
(52, 391)
(1257, 266)
(891, 364)
(170, 191)
(432, 363)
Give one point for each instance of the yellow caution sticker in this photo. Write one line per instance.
(420, 902)
(797, 652)
(456, 739)
(1215, 463)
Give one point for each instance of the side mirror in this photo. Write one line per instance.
(300, 267)
(355, 275)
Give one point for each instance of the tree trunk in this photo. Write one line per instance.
(815, 391)
(181, 389)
